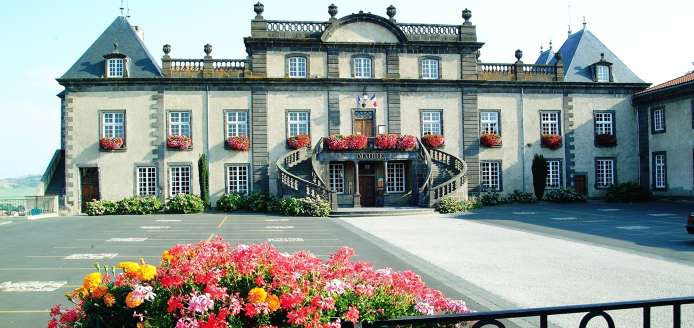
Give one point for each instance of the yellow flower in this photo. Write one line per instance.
(99, 292)
(131, 301)
(131, 268)
(146, 272)
(92, 280)
(273, 302)
(257, 295)
(109, 299)
(68, 294)
(140, 325)
(166, 256)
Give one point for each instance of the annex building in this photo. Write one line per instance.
(358, 74)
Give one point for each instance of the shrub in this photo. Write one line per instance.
(449, 205)
(184, 203)
(204, 180)
(139, 205)
(432, 140)
(258, 201)
(540, 170)
(102, 207)
(492, 198)
(565, 195)
(520, 197)
(285, 206)
(312, 207)
(231, 202)
(628, 192)
(241, 142)
(490, 139)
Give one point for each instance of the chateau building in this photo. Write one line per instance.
(360, 74)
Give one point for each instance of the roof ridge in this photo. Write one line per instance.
(689, 77)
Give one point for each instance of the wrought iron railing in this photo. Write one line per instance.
(13, 207)
(492, 318)
(299, 187)
(455, 185)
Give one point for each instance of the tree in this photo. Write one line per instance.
(540, 171)
(204, 178)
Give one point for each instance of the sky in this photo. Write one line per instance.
(42, 39)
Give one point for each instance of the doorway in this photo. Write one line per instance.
(367, 184)
(364, 123)
(580, 183)
(89, 178)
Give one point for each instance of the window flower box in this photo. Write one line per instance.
(179, 141)
(356, 141)
(432, 140)
(490, 139)
(299, 141)
(406, 142)
(386, 141)
(241, 142)
(606, 140)
(336, 142)
(552, 141)
(111, 143)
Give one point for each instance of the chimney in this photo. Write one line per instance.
(140, 33)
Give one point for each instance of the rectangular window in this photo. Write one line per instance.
(297, 123)
(362, 67)
(659, 170)
(114, 125)
(237, 124)
(489, 122)
(550, 123)
(430, 69)
(603, 123)
(115, 67)
(237, 179)
(491, 175)
(396, 177)
(147, 181)
(431, 123)
(658, 120)
(297, 67)
(553, 174)
(179, 180)
(179, 123)
(605, 173)
(337, 179)
(603, 73)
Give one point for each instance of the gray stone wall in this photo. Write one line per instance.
(261, 180)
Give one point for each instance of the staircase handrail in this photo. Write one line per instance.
(453, 184)
(314, 163)
(48, 174)
(302, 187)
(424, 156)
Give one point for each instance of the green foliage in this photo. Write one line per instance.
(258, 201)
(184, 203)
(540, 171)
(285, 206)
(628, 192)
(449, 205)
(231, 202)
(204, 179)
(520, 197)
(137, 205)
(492, 198)
(312, 207)
(565, 195)
(102, 207)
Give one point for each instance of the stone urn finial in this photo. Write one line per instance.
(332, 10)
(602, 56)
(519, 54)
(208, 49)
(115, 48)
(479, 53)
(167, 49)
(258, 8)
(467, 14)
(390, 11)
(558, 56)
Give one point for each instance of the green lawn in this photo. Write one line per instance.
(16, 193)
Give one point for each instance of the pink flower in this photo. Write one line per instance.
(187, 323)
(352, 314)
(337, 287)
(200, 303)
(143, 293)
(424, 308)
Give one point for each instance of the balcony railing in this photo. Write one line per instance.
(521, 72)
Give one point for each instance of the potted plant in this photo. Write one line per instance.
(432, 140)
(490, 139)
(241, 142)
(179, 141)
(336, 142)
(299, 141)
(606, 140)
(552, 141)
(386, 140)
(406, 142)
(111, 143)
(356, 141)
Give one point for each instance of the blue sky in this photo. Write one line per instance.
(42, 39)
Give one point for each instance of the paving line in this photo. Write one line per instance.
(211, 236)
(220, 225)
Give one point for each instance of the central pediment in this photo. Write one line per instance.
(363, 28)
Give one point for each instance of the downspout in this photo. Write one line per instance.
(207, 131)
(522, 131)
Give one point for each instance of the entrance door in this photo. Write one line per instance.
(581, 184)
(367, 186)
(89, 176)
(364, 123)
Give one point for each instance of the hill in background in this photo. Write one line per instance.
(19, 187)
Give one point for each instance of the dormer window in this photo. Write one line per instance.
(602, 70)
(115, 67)
(115, 64)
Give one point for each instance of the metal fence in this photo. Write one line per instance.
(30, 205)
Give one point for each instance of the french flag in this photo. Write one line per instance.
(373, 100)
(358, 101)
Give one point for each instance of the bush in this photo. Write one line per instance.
(565, 195)
(184, 203)
(137, 205)
(449, 205)
(231, 202)
(628, 192)
(102, 207)
(312, 207)
(258, 201)
(520, 197)
(540, 170)
(492, 198)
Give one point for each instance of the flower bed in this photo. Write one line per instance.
(336, 142)
(386, 140)
(212, 285)
(406, 142)
(490, 139)
(299, 141)
(356, 141)
(552, 141)
(241, 142)
(606, 140)
(179, 141)
(432, 140)
(111, 143)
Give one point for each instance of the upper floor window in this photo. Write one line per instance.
(431, 122)
(297, 123)
(179, 123)
(362, 67)
(603, 73)
(115, 67)
(549, 122)
(237, 124)
(430, 69)
(114, 125)
(489, 122)
(297, 67)
(658, 120)
(602, 70)
(603, 123)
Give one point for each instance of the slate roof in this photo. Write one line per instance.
(545, 57)
(91, 64)
(581, 50)
(689, 77)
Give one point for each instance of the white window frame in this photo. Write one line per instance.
(297, 67)
(297, 123)
(549, 122)
(430, 69)
(660, 171)
(489, 122)
(604, 123)
(604, 173)
(337, 178)
(431, 122)
(603, 73)
(115, 67)
(147, 181)
(395, 176)
(658, 120)
(553, 174)
(237, 179)
(179, 180)
(179, 123)
(237, 123)
(491, 175)
(362, 67)
(113, 125)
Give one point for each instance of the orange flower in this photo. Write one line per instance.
(99, 292)
(166, 256)
(146, 272)
(109, 299)
(131, 301)
(273, 302)
(257, 295)
(131, 268)
(92, 281)
(140, 325)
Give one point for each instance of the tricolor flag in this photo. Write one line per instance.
(373, 100)
(358, 101)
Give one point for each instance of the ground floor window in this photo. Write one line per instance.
(180, 180)
(237, 179)
(553, 174)
(147, 181)
(604, 173)
(660, 173)
(396, 177)
(491, 176)
(337, 178)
